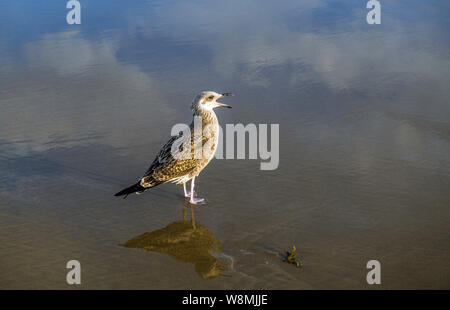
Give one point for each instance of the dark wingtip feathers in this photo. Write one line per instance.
(129, 190)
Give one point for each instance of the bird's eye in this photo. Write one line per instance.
(211, 97)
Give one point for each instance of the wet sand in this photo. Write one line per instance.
(364, 169)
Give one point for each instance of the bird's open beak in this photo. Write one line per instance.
(223, 104)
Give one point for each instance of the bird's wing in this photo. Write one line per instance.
(164, 156)
(165, 167)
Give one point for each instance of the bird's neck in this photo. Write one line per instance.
(208, 116)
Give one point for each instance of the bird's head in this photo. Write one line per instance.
(206, 101)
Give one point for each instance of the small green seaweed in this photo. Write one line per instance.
(291, 259)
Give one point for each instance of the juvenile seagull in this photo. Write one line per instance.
(167, 167)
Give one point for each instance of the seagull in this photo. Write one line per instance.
(170, 166)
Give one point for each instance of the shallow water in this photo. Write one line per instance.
(364, 120)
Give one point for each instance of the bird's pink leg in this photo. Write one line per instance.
(195, 200)
(187, 194)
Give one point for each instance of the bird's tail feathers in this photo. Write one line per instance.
(131, 189)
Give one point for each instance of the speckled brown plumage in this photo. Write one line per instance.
(165, 168)
(169, 168)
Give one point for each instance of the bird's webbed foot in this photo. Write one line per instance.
(196, 201)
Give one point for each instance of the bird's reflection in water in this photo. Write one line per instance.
(186, 241)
